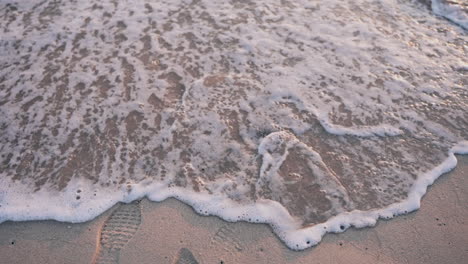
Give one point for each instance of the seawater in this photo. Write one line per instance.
(311, 116)
(453, 10)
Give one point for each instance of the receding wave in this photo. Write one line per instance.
(311, 116)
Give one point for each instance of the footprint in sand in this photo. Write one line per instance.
(227, 239)
(116, 232)
(185, 256)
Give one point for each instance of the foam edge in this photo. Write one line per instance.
(288, 229)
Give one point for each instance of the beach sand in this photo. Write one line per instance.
(171, 232)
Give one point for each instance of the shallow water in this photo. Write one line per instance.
(297, 111)
(455, 11)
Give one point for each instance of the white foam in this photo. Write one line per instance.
(44, 205)
(211, 106)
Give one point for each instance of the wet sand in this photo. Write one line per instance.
(318, 109)
(171, 232)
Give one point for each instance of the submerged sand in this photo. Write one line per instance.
(170, 232)
(289, 112)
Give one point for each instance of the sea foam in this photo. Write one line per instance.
(309, 116)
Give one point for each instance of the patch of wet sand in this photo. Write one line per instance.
(171, 232)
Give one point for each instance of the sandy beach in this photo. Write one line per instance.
(310, 116)
(171, 232)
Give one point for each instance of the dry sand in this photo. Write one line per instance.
(170, 232)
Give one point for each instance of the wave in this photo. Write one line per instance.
(454, 10)
(311, 117)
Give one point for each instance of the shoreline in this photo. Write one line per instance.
(283, 225)
(435, 233)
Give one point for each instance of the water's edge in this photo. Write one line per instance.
(264, 211)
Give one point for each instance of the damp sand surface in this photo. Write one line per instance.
(311, 117)
(171, 231)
